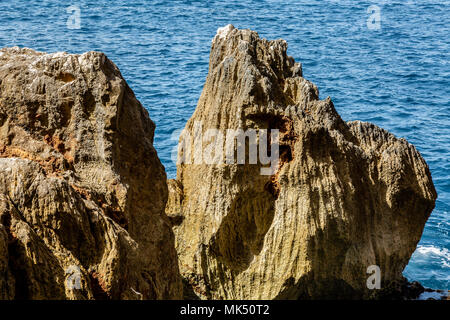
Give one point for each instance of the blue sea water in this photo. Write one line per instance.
(396, 77)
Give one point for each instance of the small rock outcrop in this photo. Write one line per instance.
(82, 191)
(343, 196)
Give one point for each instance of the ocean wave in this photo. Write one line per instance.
(433, 252)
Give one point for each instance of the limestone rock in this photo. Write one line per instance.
(82, 191)
(344, 195)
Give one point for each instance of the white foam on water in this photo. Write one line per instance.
(433, 295)
(431, 252)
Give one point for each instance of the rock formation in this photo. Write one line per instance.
(344, 195)
(82, 191)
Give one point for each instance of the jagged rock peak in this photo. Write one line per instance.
(342, 198)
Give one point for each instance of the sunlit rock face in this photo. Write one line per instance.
(344, 196)
(82, 191)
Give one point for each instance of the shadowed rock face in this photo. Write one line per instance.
(344, 196)
(82, 191)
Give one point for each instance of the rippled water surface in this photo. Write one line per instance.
(396, 77)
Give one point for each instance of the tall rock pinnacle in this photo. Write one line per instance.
(343, 197)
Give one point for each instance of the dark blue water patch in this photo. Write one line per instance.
(397, 77)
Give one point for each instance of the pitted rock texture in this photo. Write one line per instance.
(345, 195)
(82, 191)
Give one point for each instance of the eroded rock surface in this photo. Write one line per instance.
(345, 195)
(82, 191)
